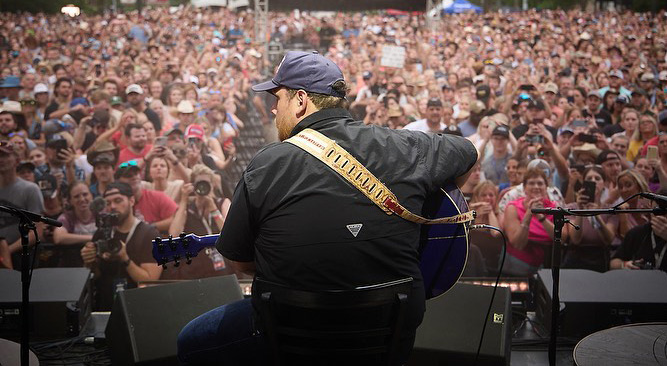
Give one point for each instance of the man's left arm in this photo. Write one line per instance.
(237, 238)
(450, 158)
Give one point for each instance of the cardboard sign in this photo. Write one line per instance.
(393, 56)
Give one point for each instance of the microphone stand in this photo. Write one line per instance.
(560, 221)
(27, 222)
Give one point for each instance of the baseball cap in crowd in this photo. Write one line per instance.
(118, 188)
(639, 91)
(551, 87)
(647, 76)
(10, 81)
(663, 75)
(501, 130)
(134, 88)
(536, 104)
(127, 169)
(116, 100)
(565, 129)
(25, 165)
(185, 106)
(366, 75)
(616, 73)
(79, 101)
(434, 102)
(622, 98)
(100, 117)
(477, 107)
(605, 156)
(211, 70)
(194, 131)
(309, 71)
(40, 88)
(594, 93)
(483, 92)
(53, 140)
(173, 131)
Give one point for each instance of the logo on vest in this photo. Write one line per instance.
(354, 229)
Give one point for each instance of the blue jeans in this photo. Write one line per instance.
(225, 335)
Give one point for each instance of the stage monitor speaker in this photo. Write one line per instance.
(591, 301)
(452, 326)
(60, 303)
(145, 322)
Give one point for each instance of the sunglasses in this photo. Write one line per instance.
(128, 164)
(19, 133)
(214, 92)
(28, 102)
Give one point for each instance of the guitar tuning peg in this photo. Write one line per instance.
(182, 235)
(157, 240)
(177, 261)
(188, 258)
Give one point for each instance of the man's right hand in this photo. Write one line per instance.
(89, 254)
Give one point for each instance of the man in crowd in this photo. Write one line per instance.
(128, 260)
(494, 166)
(136, 148)
(15, 192)
(154, 207)
(135, 98)
(433, 121)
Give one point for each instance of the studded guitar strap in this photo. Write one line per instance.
(343, 163)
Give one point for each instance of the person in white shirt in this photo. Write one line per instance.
(433, 121)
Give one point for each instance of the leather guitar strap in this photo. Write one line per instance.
(343, 163)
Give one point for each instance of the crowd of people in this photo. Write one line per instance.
(143, 109)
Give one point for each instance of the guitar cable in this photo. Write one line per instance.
(495, 287)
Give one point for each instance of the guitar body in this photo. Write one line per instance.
(444, 247)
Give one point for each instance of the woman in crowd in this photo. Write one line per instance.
(648, 129)
(516, 167)
(629, 183)
(648, 172)
(78, 225)
(589, 246)
(33, 123)
(530, 235)
(154, 91)
(150, 132)
(629, 123)
(202, 212)
(18, 139)
(37, 156)
(158, 168)
(485, 202)
(174, 95)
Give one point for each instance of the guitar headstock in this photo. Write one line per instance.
(184, 247)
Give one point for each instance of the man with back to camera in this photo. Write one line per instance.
(133, 261)
(284, 185)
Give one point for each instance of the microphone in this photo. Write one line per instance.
(34, 217)
(97, 205)
(657, 198)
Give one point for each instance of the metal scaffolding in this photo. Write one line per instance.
(262, 30)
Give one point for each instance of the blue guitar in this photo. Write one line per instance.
(444, 248)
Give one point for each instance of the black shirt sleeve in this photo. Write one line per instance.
(141, 248)
(237, 238)
(632, 242)
(50, 109)
(448, 158)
